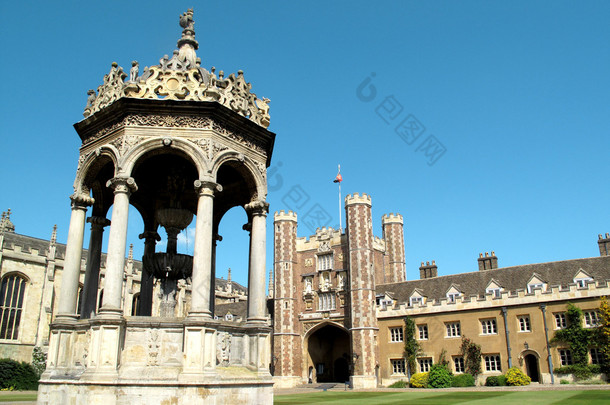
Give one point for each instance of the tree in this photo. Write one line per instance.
(412, 347)
(575, 335)
(472, 356)
(603, 335)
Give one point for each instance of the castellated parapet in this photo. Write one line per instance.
(356, 198)
(285, 216)
(392, 219)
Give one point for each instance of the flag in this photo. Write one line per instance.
(338, 179)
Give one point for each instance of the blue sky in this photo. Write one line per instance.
(512, 96)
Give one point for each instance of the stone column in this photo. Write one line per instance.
(66, 310)
(256, 276)
(117, 240)
(202, 253)
(147, 281)
(92, 272)
(215, 241)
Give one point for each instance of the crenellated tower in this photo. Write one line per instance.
(286, 330)
(393, 235)
(363, 320)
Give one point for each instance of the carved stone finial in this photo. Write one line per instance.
(6, 225)
(54, 235)
(130, 254)
(187, 44)
(133, 72)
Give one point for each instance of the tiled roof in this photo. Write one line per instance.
(237, 309)
(509, 278)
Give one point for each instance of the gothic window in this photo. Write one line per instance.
(398, 366)
(396, 334)
(424, 364)
(565, 357)
(11, 296)
(453, 329)
(492, 363)
(423, 332)
(458, 363)
(596, 356)
(325, 262)
(524, 324)
(560, 321)
(326, 301)
(489, 327)
(591, 319)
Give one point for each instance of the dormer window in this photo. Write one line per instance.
(451, 297)
(532, 287)
(415, 300)
(453, 293)
(495, 292)
(535, 283)
(582, 279)
(325, 262)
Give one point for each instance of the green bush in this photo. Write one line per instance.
(562, 381)
(462, 380)
(580, 372)
(516, 377)
(419, 380)
(39, 360)
(19, 376)
(399, 384)
(491, 381)
(502, 381)
(439, 376)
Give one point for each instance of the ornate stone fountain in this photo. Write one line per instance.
(171, 266)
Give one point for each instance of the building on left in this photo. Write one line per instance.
(30, 275)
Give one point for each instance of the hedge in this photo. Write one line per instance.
(18, 376)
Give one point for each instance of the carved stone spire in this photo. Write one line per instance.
(5, 224)
(229, 283)
(130, 254)
(54, 235)
(187, 45)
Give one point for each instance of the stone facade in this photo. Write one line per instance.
(40, 264)
(341, 299)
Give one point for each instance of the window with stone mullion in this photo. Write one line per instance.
(11, 295)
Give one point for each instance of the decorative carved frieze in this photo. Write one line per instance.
(171, 121)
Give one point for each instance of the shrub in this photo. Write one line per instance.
(19, 376)
(516, 377)
(579, 372)
(419, 380)
(502, 381)
(562, 381)
(439, 376)
(39, 360)
(491, 381)
(399, 384)
(462, 380)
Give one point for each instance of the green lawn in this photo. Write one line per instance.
(593, 397)
(16, 396)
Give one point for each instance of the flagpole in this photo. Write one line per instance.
(340, 224)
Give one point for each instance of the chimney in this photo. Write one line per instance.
(428, 270)
(604, 245)
(488, 262)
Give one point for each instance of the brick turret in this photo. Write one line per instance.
(364, 327)
(604, 245)
(395, 248)
(287, 359)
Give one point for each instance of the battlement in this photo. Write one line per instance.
(378, 244)
(507, 298)
(607, 236)
(356, 198)
(392, 219)
(285, 216)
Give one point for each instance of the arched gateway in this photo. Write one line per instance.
(328, 354)
(179, 144)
